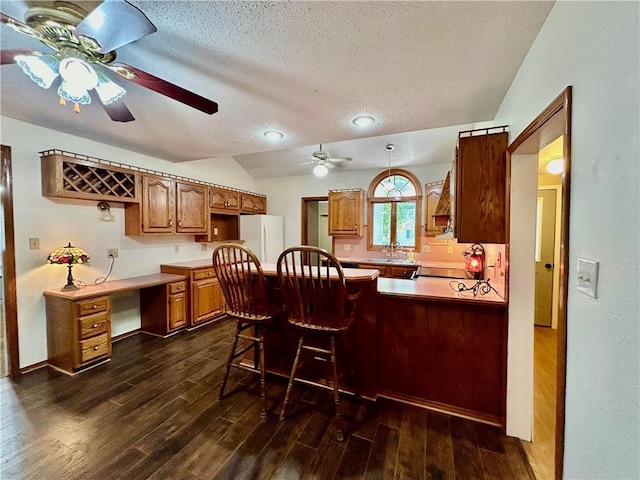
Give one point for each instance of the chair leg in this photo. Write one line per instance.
(263, 393)
(336, 392)
(293, 374)
(228, 367)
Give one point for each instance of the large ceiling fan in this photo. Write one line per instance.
(323, 161)
(84, 51)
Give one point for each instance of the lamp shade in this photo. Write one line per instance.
(475, 260)
(68, 256)
(320, 170)
(42, 69)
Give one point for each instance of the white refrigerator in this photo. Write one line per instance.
(263, 235)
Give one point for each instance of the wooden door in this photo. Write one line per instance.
(545, 248)
(157, 205)
(346, 211)
(192, 212)
(177, 311)
(208, 300)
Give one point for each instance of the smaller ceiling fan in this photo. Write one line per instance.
(323, 162)
(84, 53)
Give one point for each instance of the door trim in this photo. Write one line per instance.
(9, 262)
(561, 104)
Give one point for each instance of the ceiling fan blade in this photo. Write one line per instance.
(19, 26)
(115, 23)
(8, 56)
(117, 111)
(165, 88)
(339, 159)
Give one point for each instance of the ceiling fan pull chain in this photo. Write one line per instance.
(62, 101)
(76, 108)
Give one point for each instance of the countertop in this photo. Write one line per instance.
(422, 263)
(436, 289)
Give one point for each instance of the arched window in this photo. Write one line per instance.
(394, 200)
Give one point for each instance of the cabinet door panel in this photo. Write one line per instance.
(432, 192)
(207, 300)
(346, 212)
(191, 208)
(157, 205)
(177, 310)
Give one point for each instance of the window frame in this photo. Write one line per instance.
(371, 200)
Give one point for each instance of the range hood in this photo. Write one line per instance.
(442, 216)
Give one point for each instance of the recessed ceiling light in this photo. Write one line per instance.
(273, 135)
(364, 121)
(555, 166)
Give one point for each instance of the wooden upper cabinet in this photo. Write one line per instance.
(168, 206)
(192, 212)
(346, 212)
(480, 186)
(224, 199)
(158, 210)
(432, 192)
(253, 203)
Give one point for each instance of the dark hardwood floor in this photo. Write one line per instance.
(152, 412)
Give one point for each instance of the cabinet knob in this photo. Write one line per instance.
(94, 306)
(171, 222)
(96, 347)
(210, 273)
(95, 325)
(179, 223)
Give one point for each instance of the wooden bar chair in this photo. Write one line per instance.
(245, 292)
(315, 295)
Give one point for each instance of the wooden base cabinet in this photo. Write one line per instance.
(78, 332)
(205, 298)
(392, 271)
(163, 309)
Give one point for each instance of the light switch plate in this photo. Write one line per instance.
(587, 282)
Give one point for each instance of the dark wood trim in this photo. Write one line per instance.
(33, 367)
(560, 105)
(554, 107)
(304, 216)
(9, 262)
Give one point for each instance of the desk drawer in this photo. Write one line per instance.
(92, 325)
(204, 273)
(94, 305)
(177, 287)
(94, 347)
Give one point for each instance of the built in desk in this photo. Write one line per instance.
(79, 321)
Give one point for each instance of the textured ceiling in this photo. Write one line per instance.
(303, 68)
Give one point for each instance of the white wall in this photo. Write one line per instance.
(593, 46)
(56, 222)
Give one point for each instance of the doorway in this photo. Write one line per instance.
(315, 223)
(547, 356)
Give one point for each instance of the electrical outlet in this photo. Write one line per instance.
(449, 249)
(34, 244)
(347, 247)
(203, 247)
(112, 252)
(355, 247)
(426, 248)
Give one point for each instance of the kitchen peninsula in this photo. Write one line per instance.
(420, 342)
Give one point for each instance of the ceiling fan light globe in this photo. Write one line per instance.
(107, 90)
(42, 69)
(77, 72)
(320, 170)
(73, 93)
(556, 166)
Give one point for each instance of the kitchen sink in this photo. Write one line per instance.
(386, 260)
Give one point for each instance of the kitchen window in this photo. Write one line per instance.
(394, 200)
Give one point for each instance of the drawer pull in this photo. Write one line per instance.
(210, 273)
(94, 306)
(96, 347)
(95, 325)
